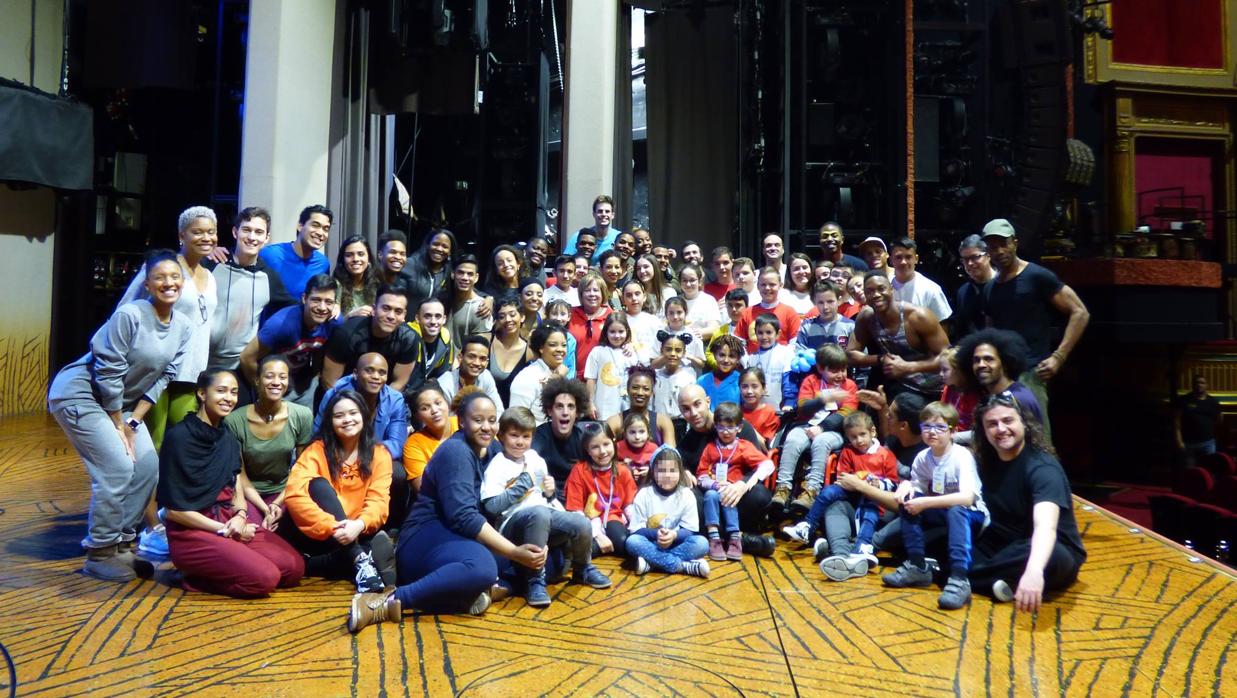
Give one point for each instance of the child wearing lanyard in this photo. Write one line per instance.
(721, 473)
(602, 489)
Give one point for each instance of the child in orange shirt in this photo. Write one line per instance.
(338, 494)
(865, 457)
(756, 411)
(720, 474)
(602, 488)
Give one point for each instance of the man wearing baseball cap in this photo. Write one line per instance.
(1023, 297)
(875, 254)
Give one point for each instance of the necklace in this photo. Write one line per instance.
(268, 418)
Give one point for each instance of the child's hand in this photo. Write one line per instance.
(812, 432)
(665, 537)
(604, 544)
(914, 507)
(548, 486)
(904, 490)
(639, 471)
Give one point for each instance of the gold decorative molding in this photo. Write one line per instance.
(1099, 66)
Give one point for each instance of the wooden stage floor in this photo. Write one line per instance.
(1143, 620)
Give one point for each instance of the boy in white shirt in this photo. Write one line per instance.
(564, 282)
(517, 495)
(771, 357)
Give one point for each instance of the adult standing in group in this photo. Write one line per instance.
(549, 344)
(1196, 420)
(197, 302)
(831, 240)
(245, 286)
(384, 332)
(799, 282)
(875, 254)
(587, 319)
(505, 271)
(465, 303)
(508, 350)
(357, 276)
(445, 558)
(297, 261)
(909, 286)
(902, 341)
(392, 257)
(536, 252)
(1024, 297)
(603, 214)
(473, 370)
(212, 539)
(691, 253)
(773, 249)
(298, 332)
(968, 302)
(991, 361)
(100, 401)
(428, 272)
(1032, 545)
(271, 433)
(558, 440)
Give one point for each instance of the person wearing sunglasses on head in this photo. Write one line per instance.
(991, 361)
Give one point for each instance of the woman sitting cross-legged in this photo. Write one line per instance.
(446, 547)
(338, 497)
(211, 537)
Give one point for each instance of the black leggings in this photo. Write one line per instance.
(617, 533)
(1010, 561)
(401, 497)
(325, 558)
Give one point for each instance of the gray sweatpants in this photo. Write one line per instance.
(544, 526)
(796, 443)
(119, 485)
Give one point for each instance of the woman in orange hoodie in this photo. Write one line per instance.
(338, 494)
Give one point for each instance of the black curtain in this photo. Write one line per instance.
(692, 125)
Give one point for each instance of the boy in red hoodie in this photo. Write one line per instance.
(865, 457)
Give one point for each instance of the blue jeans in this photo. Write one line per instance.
(729, 515)
(667, 559)
(440, 571)
(963, 523)
(867, 512)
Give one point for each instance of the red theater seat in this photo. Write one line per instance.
(1218, 464)
(1196, 483)
(1168, 515)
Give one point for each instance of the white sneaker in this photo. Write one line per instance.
(1001, 591)
(696, 568)
(799, 532)
(839, 568)
(642, 565)
(820, 549)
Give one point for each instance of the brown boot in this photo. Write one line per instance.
(127, 551)
(806, 498)
(780, 497)
(107, 565)
(370, 608)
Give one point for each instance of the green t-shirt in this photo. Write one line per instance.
(267, 462)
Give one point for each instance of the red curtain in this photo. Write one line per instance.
(1172, 33)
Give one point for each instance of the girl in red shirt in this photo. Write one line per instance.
(756, 411)
(602, 488)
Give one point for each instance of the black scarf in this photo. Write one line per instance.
(197, 461)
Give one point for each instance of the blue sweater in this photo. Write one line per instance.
(450, 492)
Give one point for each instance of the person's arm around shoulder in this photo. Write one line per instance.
(249, 358)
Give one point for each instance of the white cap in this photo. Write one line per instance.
(876, 240)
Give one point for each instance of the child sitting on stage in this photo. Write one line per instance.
(601, 487)
(635, 450)
(723, 466)
(664, 523)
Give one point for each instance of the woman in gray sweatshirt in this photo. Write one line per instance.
(100, 400)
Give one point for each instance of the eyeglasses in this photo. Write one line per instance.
(727, 427)
(933, 428)
(974, 258)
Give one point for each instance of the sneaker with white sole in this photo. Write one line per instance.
(367, 578)
(1002, 592)
(479, 604)
(820, 549)
(908, 575)
(642, 565)
(956, 594)
(152, 545)
(800, 532)
(696, 568)
(840, 568)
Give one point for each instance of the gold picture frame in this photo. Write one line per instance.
(1101, 68)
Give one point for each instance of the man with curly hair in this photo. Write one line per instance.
(992, 360)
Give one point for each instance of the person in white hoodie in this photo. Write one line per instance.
(664, 523)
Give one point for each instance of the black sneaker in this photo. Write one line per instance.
(759, 545)
(382, 548)
(367, 577)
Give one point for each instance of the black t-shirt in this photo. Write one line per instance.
(560, 456)
(1011, 491)
(353, 339)
(967, 318)
(904, 454)
(691, 443)
(1024, 305)
(1198, 417)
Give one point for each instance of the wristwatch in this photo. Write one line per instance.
(133, 424)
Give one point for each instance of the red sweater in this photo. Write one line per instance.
(812, 384)
(745, 459)
(579, 326)
(787, 318)
(764, 420)
(584, 483)
(641, 457)
(881, 464)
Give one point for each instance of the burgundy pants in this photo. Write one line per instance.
(218, 565)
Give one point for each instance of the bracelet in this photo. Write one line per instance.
(1058, 356)
(241, 512)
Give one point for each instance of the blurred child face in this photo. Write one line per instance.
(751, 391)
(826, 303)
(601, 451)
(861, 438)
(675, 317)
(666, 474)
(727, 432)
(672, 350)
(766, 335)
(559, 314)
(726, 360)
(735, 309)
(833, 376)
(515, 442)
(616, 335)
(637, 435)
(936, 434)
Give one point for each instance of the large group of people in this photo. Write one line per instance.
(444, 439)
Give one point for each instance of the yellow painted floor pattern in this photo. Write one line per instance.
(1141, 621)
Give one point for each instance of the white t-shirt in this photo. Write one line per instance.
(954, 472)
(802, 303)
(644, 328)
(571, 295)
(703, 312)
(775, 362)
(608, 366)
(923, 292)
(501, 471)
(526, 388)
(666, 389)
